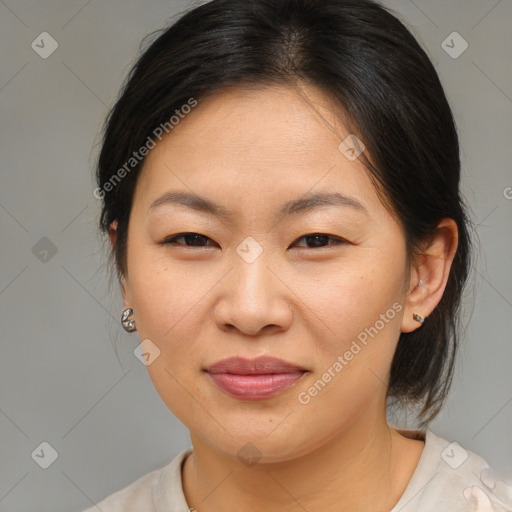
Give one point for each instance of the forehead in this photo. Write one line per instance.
(274, 117)
(260, 143)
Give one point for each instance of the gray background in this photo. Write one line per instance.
(61, 381)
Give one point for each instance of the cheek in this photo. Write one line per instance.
(353, 364)
(167, 305)
(166, 294)
(362, 310)
(166, 302)
(347, 299)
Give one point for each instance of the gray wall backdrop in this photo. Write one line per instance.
(61, 381)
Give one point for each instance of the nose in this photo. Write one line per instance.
(254, 298)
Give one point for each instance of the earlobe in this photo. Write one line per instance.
(429, 275)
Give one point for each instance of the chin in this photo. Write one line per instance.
(253, 448)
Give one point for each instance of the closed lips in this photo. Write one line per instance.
(256, 379)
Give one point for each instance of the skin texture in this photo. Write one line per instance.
(251, 150)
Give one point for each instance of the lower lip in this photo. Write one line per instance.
(255, 387)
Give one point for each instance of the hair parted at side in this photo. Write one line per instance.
(371, 66)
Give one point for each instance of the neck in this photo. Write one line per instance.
(366, 468)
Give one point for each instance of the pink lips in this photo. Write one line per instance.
(254, 379)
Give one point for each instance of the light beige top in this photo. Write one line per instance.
(445, 474)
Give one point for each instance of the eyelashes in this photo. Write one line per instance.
(196, 239)
(319, 237)
(186, 236)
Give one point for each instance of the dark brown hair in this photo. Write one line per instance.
(372, 67)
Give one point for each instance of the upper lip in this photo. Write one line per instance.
(259, 366)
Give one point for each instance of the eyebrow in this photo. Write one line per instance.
(293, 207)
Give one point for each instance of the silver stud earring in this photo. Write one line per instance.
(128, 323)
(418, 318)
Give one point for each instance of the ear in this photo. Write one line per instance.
(112, 233)
(429, 273)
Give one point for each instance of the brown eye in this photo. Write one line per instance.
(321, 240)
(190, 240)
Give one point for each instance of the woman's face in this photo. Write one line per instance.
(253, 282)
